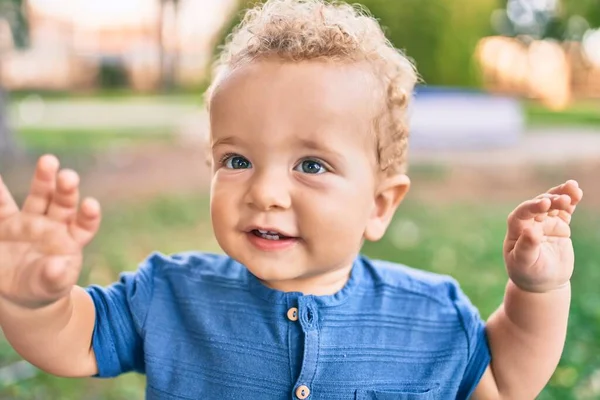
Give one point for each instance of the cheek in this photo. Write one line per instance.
(228, 185)
(341, 210)
(223, 199)
(350, 214)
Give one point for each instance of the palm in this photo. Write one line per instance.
(553, 254)
(553, 259)
(538, 250)
(41, 244)
(37, 246)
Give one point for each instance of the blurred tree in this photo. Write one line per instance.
(11, 11)
(440, 37)
(535, 19)
(557, 19)
(588, 9)
(167, 60)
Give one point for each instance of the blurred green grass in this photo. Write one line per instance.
(187, 94)
(463, 240)
(580, 113)
(90, 140)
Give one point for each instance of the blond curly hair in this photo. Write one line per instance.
(300, 30)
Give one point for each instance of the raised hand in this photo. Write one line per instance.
(41, 244)
(538, 250)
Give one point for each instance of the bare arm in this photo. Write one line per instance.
(525, 352)
(57, 338)
(527, 333)
(46, 318)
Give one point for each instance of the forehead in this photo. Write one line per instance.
(274, 96)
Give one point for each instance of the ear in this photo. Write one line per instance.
(389, 195)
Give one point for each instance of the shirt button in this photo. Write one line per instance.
(302, 392)
(292, 315)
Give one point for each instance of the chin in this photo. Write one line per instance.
(266, 266)
(269, 271)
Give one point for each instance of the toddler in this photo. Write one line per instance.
(308, 140)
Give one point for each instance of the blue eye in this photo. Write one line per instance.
(237, 162)
(313, 167)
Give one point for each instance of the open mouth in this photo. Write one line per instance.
(269, 235)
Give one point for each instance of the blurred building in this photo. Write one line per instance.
(585, 59)
(73, 40)
(553, 72)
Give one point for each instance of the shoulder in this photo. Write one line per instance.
(196, 274)
(192, 265)
(402, 279)
(162, 281)
(420, 295)
(184, 272)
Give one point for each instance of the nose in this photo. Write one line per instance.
(269, 190)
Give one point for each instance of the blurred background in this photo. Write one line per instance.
(509, 106)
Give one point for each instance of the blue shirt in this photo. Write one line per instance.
(201, 326)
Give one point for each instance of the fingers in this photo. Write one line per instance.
(85, 225)
(53, 193)
(570, 188)
(531, 209)
(537, 210)
(560, 205)
(8, 207)
(63, 206)
(42, 186)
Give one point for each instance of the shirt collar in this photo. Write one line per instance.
(257, 288)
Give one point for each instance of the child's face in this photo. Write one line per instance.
(294, 153)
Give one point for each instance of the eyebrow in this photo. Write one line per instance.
(318, 146)
(225, 140)
(311, 144)
(302, 142)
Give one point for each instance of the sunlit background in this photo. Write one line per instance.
(508, 107)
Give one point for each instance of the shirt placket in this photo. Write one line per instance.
(306, 315)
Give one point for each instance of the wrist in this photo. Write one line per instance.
(543, 314)
(12, 312)
(515, 291)
(541, 288)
